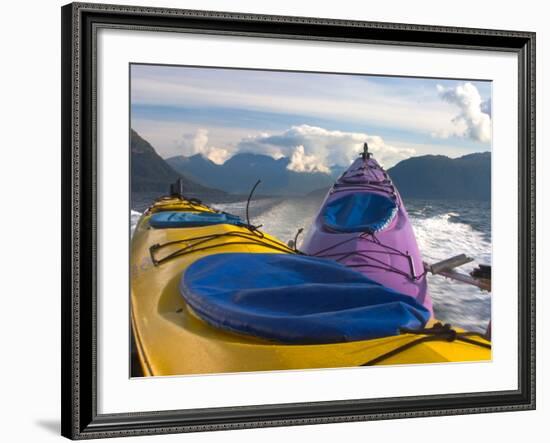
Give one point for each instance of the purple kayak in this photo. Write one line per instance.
(364, 225)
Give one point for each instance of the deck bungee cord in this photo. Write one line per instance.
(368, 255)
(195, 204)
(438, 332)
(373, 186)
(253, 238)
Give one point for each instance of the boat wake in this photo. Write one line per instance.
(134, 218)
(441, 237)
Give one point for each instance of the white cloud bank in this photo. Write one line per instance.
(315, 149)
(473, 121)
(309, 148)
(197, 143)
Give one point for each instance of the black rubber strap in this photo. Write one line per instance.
(438, 332)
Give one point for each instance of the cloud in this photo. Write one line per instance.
(315, 149)
(197, 143)
(301, 162)
(217, 155)
(474, 120)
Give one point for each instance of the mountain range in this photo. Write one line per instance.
(239, 174)
(440, 177)
(152, 175)
(428, 176)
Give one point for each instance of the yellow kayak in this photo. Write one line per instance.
(172, 339)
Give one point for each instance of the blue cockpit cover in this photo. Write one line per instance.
(359, 212)
(295, 299)
(179, 219)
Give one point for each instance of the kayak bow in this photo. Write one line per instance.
(364, 225)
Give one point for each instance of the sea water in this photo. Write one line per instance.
(443, 229)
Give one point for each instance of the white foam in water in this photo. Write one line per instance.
(439, 232)
(456, 303)
(134, 218)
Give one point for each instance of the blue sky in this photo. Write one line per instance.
(318, 120)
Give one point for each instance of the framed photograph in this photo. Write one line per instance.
(273, 221)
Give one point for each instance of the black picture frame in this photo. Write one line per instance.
(79, 175)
